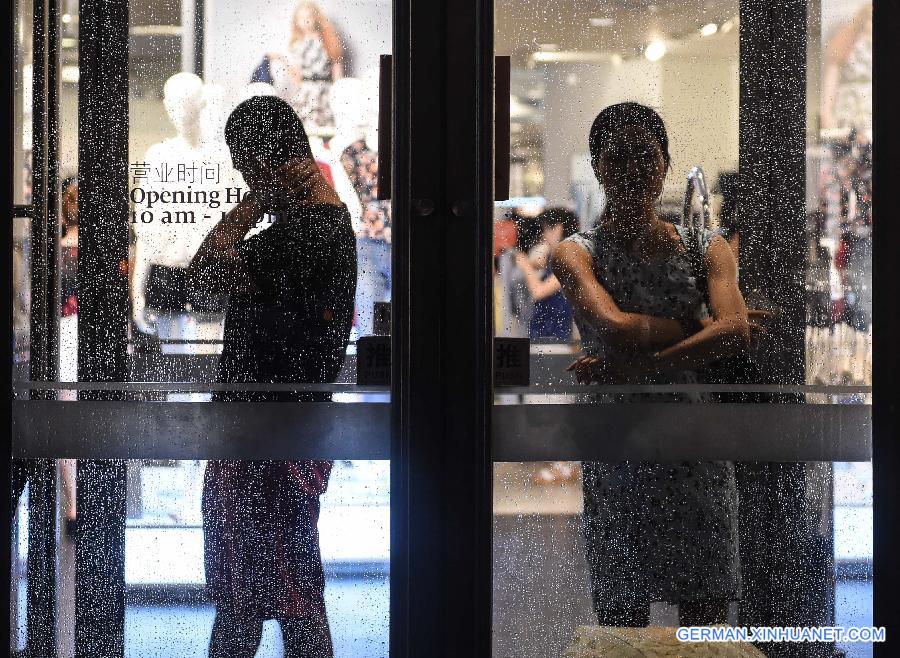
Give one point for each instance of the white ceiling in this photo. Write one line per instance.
(522, 26)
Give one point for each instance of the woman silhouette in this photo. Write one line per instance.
(654, 532)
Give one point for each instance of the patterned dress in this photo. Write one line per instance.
(303, 77)
(655, 532)
(361, 164)
(259, 517)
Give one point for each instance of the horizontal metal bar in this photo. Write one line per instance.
(574, 390)
(186, 341)
(536, 347)
(90, 429)
(614, 389)
(662, 432)
(351, 346)
(197, 387)
(328, 430)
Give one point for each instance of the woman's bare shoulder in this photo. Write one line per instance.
(571, 256)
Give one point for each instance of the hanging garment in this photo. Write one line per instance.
(361, 164)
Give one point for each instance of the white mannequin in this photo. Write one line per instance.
(352, 120)
(352, 117)
(354, 105)
(173, 245)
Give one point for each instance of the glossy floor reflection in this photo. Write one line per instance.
(358, 615)
(541, 578)
(358, 610)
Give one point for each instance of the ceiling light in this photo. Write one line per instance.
(66, 18)
(727, 26)
(655, 50)
(571, 56)
(603, 21)
(616, 59)
(709, 29)
(548, 46)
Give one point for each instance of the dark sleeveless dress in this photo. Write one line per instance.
(260, 517)
(656, 532)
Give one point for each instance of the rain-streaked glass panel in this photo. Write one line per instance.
(21, 185)
(302, 544)
(20, 299)
(608, 510)
(839, 283)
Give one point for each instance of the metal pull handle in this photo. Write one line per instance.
(502, 70)
(501, 127)
(385, 105)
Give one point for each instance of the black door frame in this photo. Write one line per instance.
(886, 326)
(440, 574)
(442, 390)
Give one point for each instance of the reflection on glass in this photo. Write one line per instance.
(182, 183)
(839, 274)
(256, 236)
(165, 560)
(20, 300)
(568, 67)
(21, 246)
(839, 197)
(169, 612)
(313, 246)
(649, 543)
(631, 544)
(565, 69)
(23, 53)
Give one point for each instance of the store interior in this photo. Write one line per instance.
(569, 60)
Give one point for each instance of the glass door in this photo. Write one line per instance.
(176, 475)
(173, 474)
(348, 415)
(648, 473)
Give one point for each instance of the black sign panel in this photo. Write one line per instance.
(512, 361)
(373, 361)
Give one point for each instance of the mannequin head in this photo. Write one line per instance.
(183, 99)
(349, 104)
(307, 16)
